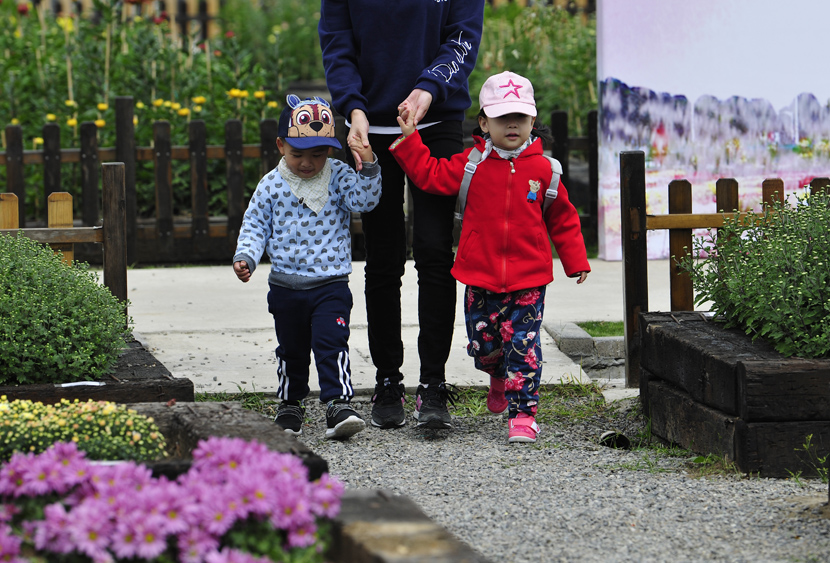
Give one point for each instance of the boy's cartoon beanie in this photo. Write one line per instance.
(507, 93)
(308, 123)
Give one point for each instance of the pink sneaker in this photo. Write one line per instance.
(523, 428)
(496, 403)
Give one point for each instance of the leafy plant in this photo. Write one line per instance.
(57, 323)
(816, 461)
(104, 430)
(769, 275)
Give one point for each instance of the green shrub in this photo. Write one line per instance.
(57, 324)
(769, 274)
(104, 430)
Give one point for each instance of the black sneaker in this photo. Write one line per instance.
(387, 405)
(431, 406)
(290, 415)
(342, 421)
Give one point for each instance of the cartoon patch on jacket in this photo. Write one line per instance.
(310, 117)
(533, 189)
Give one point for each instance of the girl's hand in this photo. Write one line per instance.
(241, 270)
(582, 277)
(407, 121)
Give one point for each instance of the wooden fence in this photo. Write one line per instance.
(62, 236)
(680, 221)
(199, 237)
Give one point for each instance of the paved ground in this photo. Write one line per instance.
(204, 324)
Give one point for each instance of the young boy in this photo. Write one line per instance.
(300, 214)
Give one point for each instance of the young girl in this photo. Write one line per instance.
(504, 255)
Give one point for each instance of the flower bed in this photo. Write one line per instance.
(239, 501)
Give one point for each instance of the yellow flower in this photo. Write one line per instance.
(158, 102)
(135, 120)
(197, 108)
(272, 39)
(15, 121)
(259, 94)
(175, 106)
(167, 104)
(72, 122)
(272, 104)
(243, 93)
(139, 105)
(66, 24)
(51, 117)
(37, 141)
(184, 112)
(234, 92)
(99, 123)
(102, 107)
(71, 103)
(199, 100)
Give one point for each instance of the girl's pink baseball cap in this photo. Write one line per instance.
(507, 93)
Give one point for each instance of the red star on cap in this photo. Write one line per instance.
(515, 89)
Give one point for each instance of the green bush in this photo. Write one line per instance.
(104, 430)
(769, 274)
(57, 324)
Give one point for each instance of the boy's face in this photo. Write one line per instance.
(305, 163)
(509, 131)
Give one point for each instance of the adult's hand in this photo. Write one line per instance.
(358, 134)
(418, 101)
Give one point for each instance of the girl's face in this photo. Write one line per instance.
(509, 131)
(305, 163)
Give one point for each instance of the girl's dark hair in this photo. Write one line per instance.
(539, 130)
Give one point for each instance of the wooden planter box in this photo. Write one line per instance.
(716, 391)
(138, 377)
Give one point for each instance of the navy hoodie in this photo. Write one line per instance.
(376, 52)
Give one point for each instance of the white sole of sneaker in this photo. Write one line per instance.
(521, 440)
(389, 425)
(433, 423)
(346, 428)
(293, 432)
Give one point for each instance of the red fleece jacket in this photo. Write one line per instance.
(504, 243)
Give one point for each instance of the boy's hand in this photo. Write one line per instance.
(241, 270)
(582, 277)
(364, 152)
(406, 120)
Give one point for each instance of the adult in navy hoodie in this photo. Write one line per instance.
(378, 54)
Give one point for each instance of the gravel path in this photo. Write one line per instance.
(567, 498)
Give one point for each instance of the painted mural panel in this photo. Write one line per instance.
(708, 91)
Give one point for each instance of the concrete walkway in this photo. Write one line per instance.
(204, 324)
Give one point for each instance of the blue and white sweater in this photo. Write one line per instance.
(306, 249)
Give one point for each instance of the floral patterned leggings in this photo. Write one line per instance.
(503, 332)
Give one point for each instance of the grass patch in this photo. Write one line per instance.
(603, 328)
(251, 400)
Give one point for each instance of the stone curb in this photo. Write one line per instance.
(602, 357)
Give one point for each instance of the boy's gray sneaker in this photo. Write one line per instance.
(387, 405)
(290, 415)
(431, 406)
(342, 421)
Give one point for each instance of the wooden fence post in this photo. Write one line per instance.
(593, 178)
(726, 195)
(115, 231)
(14, 170)
(9, 217)
(51, 160)
(125, 153)
(268, 145)
(635, 254)
(163, 168)
(772, 189)
(198, 186)
(235, 178)
(89, 174)
(559, 150)
(59, 216)
(819, 185)
(680, 246)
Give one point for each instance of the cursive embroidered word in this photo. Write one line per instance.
(448, 70)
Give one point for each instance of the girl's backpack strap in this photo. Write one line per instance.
(553, 188)
(469, 169)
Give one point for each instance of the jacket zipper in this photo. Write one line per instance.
(506, 225)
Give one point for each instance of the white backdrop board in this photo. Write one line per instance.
(710, 89)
